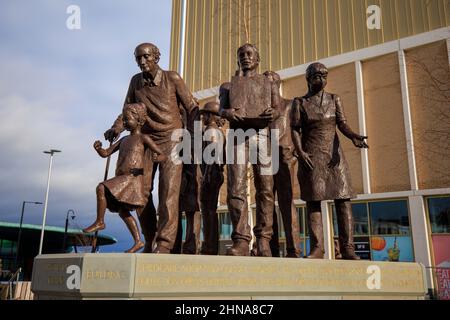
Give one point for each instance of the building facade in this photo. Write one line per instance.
(394, 82)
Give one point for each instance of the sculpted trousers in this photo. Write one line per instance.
(169, 192)
(283, 186)
(237, 195)
(209, 197)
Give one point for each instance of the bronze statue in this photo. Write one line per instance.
(189, 204)
(163, 93)
(124, 192)
(249, 101)
(284, 180)
(323, 171)
(212, 179)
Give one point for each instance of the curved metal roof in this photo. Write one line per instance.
(9, 231)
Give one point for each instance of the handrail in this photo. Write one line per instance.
(10, 281)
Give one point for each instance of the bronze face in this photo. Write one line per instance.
(248, 58)
(129, 120)
(317, 75)
(146, 58)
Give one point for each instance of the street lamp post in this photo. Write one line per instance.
(67, 225)
(51, 152)
(20, 230)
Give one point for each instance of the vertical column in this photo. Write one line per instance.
(362, 126)
(421, 237)
(407, 121)
(182, 38)
(327, 234)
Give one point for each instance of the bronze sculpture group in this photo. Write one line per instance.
(158, 103)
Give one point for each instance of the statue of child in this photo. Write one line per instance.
(124, 192)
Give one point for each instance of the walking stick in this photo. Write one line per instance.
(94, 240)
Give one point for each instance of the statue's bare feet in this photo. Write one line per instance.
(137, 246)
(96, 226)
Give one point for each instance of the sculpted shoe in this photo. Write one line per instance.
(188, 251)
(161, 249)
(96, 226)
(275, 253)
(293, 254)
(239, 248)
(349, 254)
(137, 246)
(316, 253)
(147, 248)
(208, 252)
(263, 248)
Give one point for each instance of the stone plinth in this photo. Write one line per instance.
(150, 276)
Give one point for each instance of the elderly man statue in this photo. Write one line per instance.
(164, 93)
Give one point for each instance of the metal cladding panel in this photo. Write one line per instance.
(384, 120)
(429, 93)
(289, 32)
(175, 34)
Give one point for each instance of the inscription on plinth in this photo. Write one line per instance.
(113, 274)
(186, 276)
(167, 275)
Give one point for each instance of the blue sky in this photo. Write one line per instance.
(62, 89)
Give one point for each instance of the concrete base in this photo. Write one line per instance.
(150, 276)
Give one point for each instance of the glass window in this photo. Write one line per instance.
(183, 226)
(439, 215)
(388, 248)
(381, 230)
(304, 240)
(439, 211)
(301, 220)
(360, 219)
(281, 231)
(225, 225)
(8, 248)
(389, 217)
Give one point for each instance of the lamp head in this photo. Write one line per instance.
(52, 151)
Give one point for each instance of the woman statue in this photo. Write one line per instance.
(323, 171)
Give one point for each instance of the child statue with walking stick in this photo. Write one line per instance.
(124, 192)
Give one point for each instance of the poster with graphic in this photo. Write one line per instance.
(391, 248)
(443, 282)
(441, 248)
(441, 245)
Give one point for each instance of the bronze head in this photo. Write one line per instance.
(316, 75)
(210, 113)
(248, 57)
(274, 77)
(134, 115)
(147, 57)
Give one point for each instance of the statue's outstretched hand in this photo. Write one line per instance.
(97, 145)
(359, 142)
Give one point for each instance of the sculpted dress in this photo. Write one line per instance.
(125, 190)
(317, 117)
